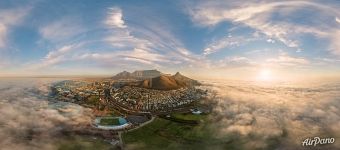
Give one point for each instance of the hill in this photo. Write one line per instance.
(122, 75)
(184, 81)
(165, 82)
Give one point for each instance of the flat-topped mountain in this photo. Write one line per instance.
(138, 74)
(154, 79)
(165, 82)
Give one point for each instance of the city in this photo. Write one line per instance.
(127, 97)
(169, 74)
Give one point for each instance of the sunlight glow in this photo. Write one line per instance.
(265, 75)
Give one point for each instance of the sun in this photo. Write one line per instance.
(264, 75)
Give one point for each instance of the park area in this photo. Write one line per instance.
(165, 133)
(76, 142)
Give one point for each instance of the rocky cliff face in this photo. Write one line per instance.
(139, 74)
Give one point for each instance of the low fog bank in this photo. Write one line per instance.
(29, 121)
(276, 117)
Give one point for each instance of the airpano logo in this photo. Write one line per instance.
(317, 140)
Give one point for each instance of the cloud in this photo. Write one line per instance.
(149, 42)
(141, 56)
(30, 121)
(115, 18)
(269, 18)
(270, 41)
(337, 19)
(235, 62)
(60, 51)
(9, 18)
(146, 44)
(335, 44)
(54, 57)
(62, 29)
(285, 59)
(275, 117)
(226, 42)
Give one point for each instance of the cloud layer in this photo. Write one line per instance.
(29, 121)
(277, 117)
(275, 20)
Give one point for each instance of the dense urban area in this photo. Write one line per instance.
(129, 101)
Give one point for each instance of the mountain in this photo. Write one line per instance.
(184, 81)
(138, 74)
(165, 82)
(122, 75)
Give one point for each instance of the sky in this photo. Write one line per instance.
(258, 39)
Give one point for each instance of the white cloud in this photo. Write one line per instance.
(337, 19)
(226, 42)
(55, 57)
(329, 60)
(151, 42)
(9, 18)
(62, 29)
(26, 112)
(335, 42)
(149, 45)
(288, 113)
(59, 51)
(237, 61)
(270, 41)
(138, 55)
(143, 54)
(285, 59)
(115, 18)
(259, 16)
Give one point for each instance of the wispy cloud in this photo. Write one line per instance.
(139, 55)
(335, 44)
(62, 29)
(226, 42)
(337, 19)
(215, 46)
(54, 57)
(285, 59)
(115, 18)
(151, 47)
(235, 62)
(259, 16)
(150, 43)
(9, 18)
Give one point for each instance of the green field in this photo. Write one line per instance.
(83, 143)
(188, 116)
(165, 134)
(109, 121)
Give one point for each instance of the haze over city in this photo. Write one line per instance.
(254, 40)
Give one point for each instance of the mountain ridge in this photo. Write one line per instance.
(165, 82)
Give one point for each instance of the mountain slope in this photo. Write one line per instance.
(122, 75)
(184, 81)
(164, 82)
